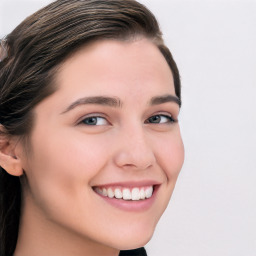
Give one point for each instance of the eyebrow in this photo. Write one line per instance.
(98, 100)
(116, 102)
(165, 98)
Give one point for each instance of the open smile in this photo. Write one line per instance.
(128, 198)
(133, 194)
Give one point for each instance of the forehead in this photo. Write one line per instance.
(113, 64)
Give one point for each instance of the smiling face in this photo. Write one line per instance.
(106, 148)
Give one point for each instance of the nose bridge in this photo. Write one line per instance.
(134, 148)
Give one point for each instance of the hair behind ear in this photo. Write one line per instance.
(10, 195)
(10, 201)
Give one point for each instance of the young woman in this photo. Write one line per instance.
(90, 146)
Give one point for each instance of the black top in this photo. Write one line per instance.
(136, 252)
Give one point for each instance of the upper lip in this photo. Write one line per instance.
(130, 184)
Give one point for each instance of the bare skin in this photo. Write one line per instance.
(103, 127)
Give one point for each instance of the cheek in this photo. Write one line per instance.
(170, 155)
(170, 158)
(60, 168)
(69, 154)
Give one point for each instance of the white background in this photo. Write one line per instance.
(213, 208)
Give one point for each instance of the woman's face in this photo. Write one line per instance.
(110, 130)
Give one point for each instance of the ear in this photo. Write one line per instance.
(8, 159)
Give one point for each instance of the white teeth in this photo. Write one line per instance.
(104, 192)
(110, 193)
(148, 192)
(98, 190)
(142, 194)
(118, 193)
(134, 194)
(127, 194)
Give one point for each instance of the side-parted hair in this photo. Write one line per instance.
(29, 60)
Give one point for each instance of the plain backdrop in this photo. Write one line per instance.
(213, 208)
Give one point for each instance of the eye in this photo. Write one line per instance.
(94, 120)
(160, 119)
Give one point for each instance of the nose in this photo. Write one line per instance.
(134, 150)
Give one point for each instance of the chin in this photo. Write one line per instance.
(130, 245)
(132, 240)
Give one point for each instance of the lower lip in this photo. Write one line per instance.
(129, 205)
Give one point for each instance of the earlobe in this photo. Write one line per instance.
(8, 159)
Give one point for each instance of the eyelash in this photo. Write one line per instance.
(90, 121)
(170, 119)
(92, 118)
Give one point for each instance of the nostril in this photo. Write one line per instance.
(135, 164)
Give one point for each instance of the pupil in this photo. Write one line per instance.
(155, 119)
(91, 120)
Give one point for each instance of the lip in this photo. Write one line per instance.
(129, 205)
(129, 184)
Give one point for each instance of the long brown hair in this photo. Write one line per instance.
(29, 59)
